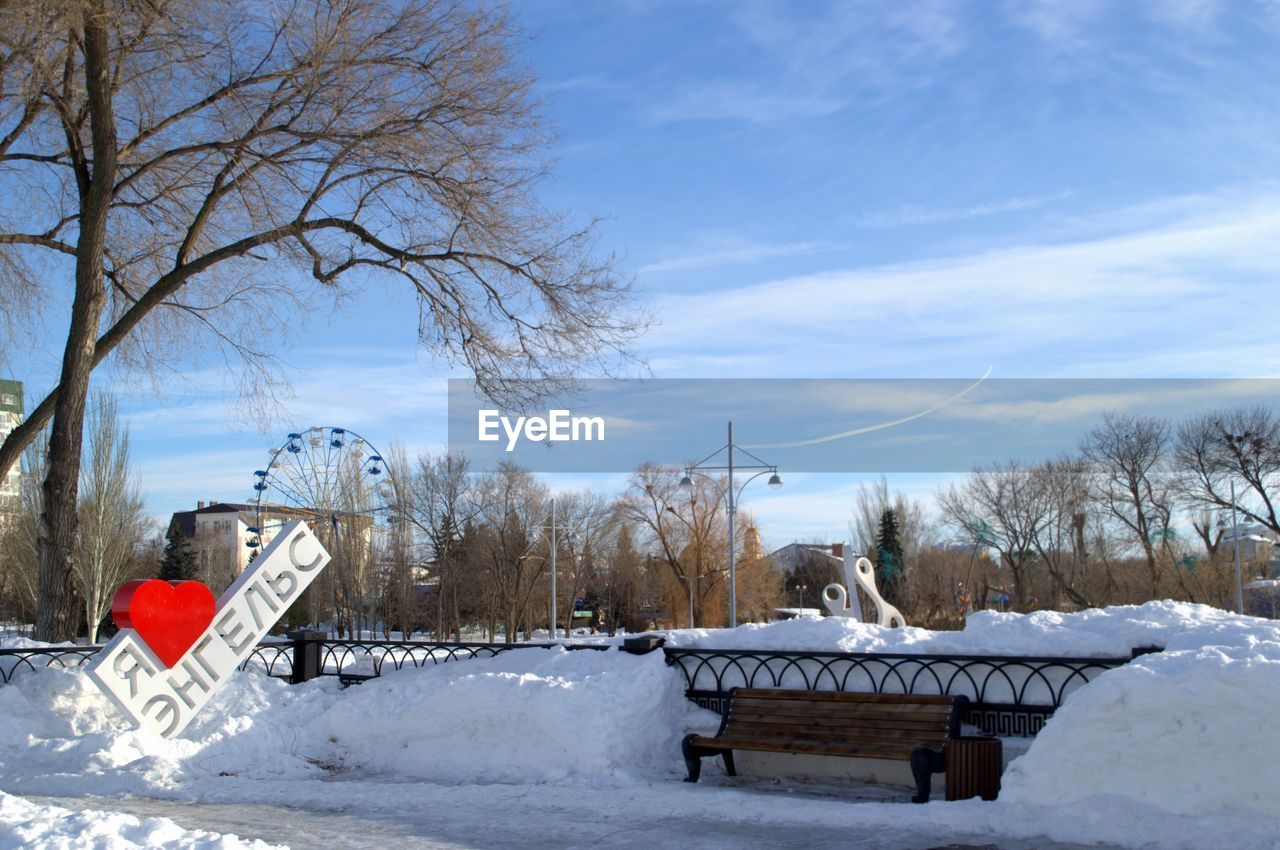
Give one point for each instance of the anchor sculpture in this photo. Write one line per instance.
(843, 603)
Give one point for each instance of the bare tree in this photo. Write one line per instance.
(1002, 506)
(400, 603)
(1128, 458)
(869, 506)
(1240, 445)
(113, 523)
(1062, 541)
(204, 169)
(586, 522)
(690, 533)
(620, 583)
(442, 503)
(514, 510)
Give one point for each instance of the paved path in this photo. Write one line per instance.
(517, 827)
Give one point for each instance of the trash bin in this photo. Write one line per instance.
(974, 765)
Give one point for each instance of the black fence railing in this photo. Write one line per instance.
(1009, 695)
(356, 660)
(15, 661)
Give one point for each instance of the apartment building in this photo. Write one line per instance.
(11, 414)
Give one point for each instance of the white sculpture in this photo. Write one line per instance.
(843, 603)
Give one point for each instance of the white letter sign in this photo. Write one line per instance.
(161, 670)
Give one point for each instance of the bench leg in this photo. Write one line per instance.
(924, 763)
(692, 759)
(729, 767)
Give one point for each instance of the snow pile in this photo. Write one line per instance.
(1095, 632)
(26, 824)
(1181, 731)
(525, 716)
(528, 715)
(62, 736)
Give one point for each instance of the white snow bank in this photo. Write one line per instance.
(525, 716)
(28, 643)
(63, 737)
(528, 715)
(24, 824)
(1184, 731)
(1095, 632)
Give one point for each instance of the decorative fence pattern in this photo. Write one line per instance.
(356, 660)
(1009, 695)
(15, 661)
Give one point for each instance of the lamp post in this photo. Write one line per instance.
(801, 589)
(553, 567)
(1240, 444)
(731, 498)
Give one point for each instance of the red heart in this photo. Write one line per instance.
(168, 616)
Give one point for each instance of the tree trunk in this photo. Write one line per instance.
(56, 615)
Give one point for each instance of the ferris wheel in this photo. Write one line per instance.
(333, 479)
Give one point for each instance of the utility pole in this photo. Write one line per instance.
(553, 567)
(1235, 538)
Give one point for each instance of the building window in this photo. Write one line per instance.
(8, 398)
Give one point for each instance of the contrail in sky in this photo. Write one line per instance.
(880, 427)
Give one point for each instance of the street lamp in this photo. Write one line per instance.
(1239, 443)
(731, 498)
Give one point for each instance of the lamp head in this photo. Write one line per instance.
(775, 481)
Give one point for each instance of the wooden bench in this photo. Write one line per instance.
(904, 727)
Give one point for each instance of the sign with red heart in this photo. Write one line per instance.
(176, 646)
(168, 616)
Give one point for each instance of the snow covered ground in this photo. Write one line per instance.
(27, 824)
(574, 749)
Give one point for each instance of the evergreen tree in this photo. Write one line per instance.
(178, 563)
(890, 566)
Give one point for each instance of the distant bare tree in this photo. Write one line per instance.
(514, 511)
(869, 506)
(1003, 506)
(113, 522)
(586, 522)
(620, 583)
(443, 502)
(400, 608)
(690, 533)
(1128, 459)
(1240, 445)
(194, 174)
(1062, 541)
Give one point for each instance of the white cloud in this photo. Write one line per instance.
(727, 251)
(814, 64)
(1196, 291)
(905, 216)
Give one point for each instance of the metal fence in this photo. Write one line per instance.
(1009, 695)
(15, 661)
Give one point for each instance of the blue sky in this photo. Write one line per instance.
(1078, 189)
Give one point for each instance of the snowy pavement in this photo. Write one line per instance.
(539, 817)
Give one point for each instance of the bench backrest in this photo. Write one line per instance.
(842, 718)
